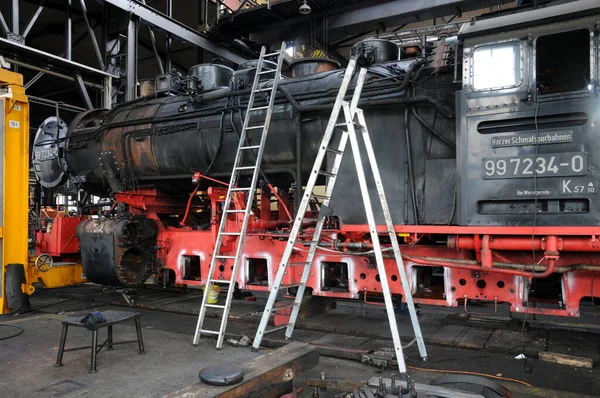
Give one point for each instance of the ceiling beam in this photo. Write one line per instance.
(392, 12)
(160, 21)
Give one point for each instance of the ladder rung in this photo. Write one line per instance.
(344, 124)
(219, 281)
(276, 328)
(297, 264)
(249, 147)
(231, 234)
(272, 54)
(262, 126)
(291, 285)
(225, 257)
(209, 331)
(327, 174)
(245, 167)
(240, 189)
(316, 195)
(308, 242)
(264, 72)
(215, 306)
(235, 211)
(283, 307)
(310, 219)
(335, 150)
(259, 108)
(260, 90)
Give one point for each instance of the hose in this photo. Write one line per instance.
(377, 91)
(212, 162)
(19, 331)
(433, 130)
(19, 328)
(411, 177)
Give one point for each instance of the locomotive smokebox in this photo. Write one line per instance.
(117, 251)
(48, 152)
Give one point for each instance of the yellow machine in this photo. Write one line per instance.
(18, 271)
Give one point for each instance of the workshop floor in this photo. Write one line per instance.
(171, 363)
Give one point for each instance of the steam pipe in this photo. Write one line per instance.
(474, 266)
(567, 244)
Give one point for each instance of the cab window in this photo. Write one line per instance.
(497, 66)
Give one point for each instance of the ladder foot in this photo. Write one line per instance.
(424, 359)
(254, 349)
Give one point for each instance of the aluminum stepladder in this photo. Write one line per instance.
(351, 112)
(239, 168)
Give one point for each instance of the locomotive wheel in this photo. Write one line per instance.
(44, 262)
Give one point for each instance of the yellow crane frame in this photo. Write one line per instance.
(18, 270)
(14, 188)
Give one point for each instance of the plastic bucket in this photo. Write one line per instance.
(213, 294)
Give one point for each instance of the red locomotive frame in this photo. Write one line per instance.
(492, 264)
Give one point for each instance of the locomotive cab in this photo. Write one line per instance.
(526, 122)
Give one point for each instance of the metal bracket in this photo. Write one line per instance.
(481, 313)
(3, 63)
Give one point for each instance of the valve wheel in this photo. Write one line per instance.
(44, 262)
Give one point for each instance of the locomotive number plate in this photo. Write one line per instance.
(542, 165)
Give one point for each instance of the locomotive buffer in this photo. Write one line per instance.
(254, 152)
(351, 112)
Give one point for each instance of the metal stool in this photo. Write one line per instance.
(112, 318)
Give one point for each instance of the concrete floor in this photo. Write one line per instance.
(171, 363)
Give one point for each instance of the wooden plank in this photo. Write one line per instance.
(267, 376)
(569, 360)
(448, 334)
(474, 338)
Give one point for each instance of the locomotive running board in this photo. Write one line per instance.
(221, 252)
(351, 112)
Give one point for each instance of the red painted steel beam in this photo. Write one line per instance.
(468, 230)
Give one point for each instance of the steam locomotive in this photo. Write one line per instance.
(485, 142)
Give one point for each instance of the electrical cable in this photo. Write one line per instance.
(535, 202)
(463, 372)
